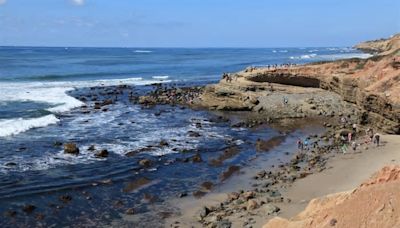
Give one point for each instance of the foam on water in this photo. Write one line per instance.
(10, 127)
(46, 161)
(143, 51)
(333, 56)
(161, 77)
(53, 93)
(346, 56)
(304, 56)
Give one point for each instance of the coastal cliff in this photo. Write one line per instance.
(368, 90)
(375, 203)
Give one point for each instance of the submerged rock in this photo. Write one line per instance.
(29, 208)
(130, 211)
(197, 158)
(163, 143)
(65, 198)
(145, 162)
(102, 154)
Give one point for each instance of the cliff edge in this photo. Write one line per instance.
(375, 203)
(372, 85)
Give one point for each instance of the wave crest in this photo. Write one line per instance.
(18, 125)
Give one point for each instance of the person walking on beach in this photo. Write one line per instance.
(354, 130)
(343, 120)
(299, 144)
(370, 134)
(285, 100)
(354, 145)
(377, 139)
(305, 146)
(344, 144)
(349, 137)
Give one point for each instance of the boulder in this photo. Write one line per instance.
(251, 205)
(197, 158)
(130, 211)
(107, 102)
(248, 195)
(203, 212)
(102, 154)
(145, 162)
(222, 224)
(163, 143)
(270, 209)
(71, 148)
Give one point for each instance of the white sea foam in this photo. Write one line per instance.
(161, 77)
(333, 56)
(47, 160)
(15, 126)
(143, 51)
(304, 56)
(53, 93)
(345, 56)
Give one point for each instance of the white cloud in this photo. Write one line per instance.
(2, 2)
(76, 2)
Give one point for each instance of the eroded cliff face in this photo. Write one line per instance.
(372, 84)
(375, 203)
(381, 46)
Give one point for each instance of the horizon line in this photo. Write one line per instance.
(166, 47)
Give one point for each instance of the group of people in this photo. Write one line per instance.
(305, 145)
(280, 66)
(370, 137)
(229, 77)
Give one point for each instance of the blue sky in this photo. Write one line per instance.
(196, 23)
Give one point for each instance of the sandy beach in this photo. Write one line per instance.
(344, 172)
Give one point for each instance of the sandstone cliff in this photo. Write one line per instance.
(375, 203)
(372, 84)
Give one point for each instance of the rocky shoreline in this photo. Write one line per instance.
(277, 95)
(326, 92)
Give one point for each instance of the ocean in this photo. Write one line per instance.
(39, 108)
